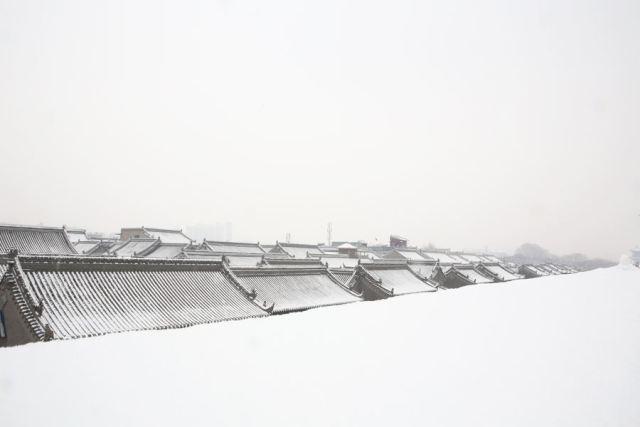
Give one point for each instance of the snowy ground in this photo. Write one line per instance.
(561, 350)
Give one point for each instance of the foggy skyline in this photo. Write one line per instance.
(467, 125)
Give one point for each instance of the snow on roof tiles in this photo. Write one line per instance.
(423, 270)
(243, 261)
(473, 275)
(294, 289)
(167, 251)
(133, 246)
(35, 240)
(167, 236)
(441, 256)
(234, 247)
(502, 273)
(399, 278)
(297, 250)
(85, 246)
(94, 296)
(343, 274)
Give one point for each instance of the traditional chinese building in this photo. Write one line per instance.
(44, 298)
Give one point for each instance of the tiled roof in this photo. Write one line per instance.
(501, 273)
(344, 275)
(200, 254)
(168, 236)
(294, 262)
(76, 234)
(407, 254)
(86, 246)
(234, 247)
(471, 258)
(83, 297)
(243, 260)
(163, 250)
(294, 289)
(423, 269)
(165, 235)
(132, 247)
(339, 262)
(35, 240)
(399, 278)
(297, 250)
(458, 259)
(3, 266)
(538, 270)
(471, 274)
(441, 256)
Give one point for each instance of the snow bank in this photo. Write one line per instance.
(561, 350)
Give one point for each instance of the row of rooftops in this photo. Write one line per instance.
(150, 242)
(62, 285)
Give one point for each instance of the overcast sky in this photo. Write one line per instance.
(469, 124)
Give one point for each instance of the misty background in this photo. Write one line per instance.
(474, 125)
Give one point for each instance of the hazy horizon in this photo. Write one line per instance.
(470, 125)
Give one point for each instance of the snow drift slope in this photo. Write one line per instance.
(562, 350)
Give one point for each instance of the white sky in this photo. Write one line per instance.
(469, 124)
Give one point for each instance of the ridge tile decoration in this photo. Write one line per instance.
(75, 297)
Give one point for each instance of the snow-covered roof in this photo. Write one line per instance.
(474, 275)
(132, 247)
(297, 250)
(471, 258)
(123, 294)
(440, 256)
(502, 273)
(37, 240)
(399, 278)
(243, 260)
(293, 262)
(346, 246)
(458, 259)
(86, 246)
(294, 289)
(344, 275)
(423, 270)
(168, 236)
(76, 234)
(163, 250)
(339, 262)
(200, 254)
(165, 235)
(234, 247)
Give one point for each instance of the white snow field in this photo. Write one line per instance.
(555, 351)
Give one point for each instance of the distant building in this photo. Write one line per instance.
(296, 250)
(397, 241)
(166, 235)
(348, 249)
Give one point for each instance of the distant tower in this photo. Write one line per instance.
(329, 230)
(288, 237)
